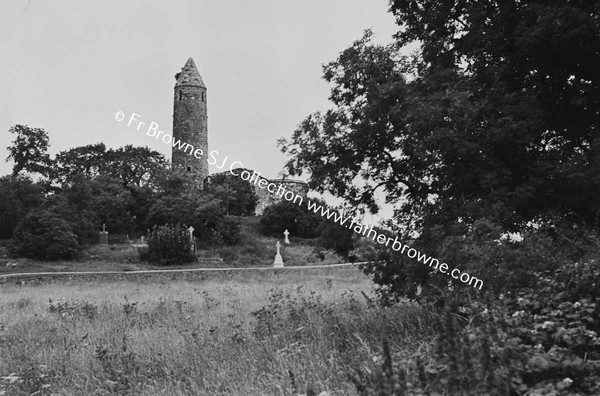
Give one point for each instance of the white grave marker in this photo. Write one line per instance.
(278, 263)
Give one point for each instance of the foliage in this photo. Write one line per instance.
(202, 210)
(207, 219)
(296, 219)
(142, 199)
(278, 217)
(541, 341)
(29, 150)
(170, 244)
(237, 196)
(493, 119)
(494, 132)
(107, 198)
(18, 195)
(227, 231)
(80, 162)
(44, 235)
(503, 262)
(72, 205)
(132, 166)
(336, 237)
(137, 166)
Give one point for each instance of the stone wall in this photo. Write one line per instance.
(265, 198)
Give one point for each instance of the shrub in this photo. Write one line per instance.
(228, 230)
(237, 196)
(288, 215)
(229, 255)
(18, 195)
(170, 244)
(336, 237)
(484, 251)
(84, 223)
(43, 235)
(535, 342)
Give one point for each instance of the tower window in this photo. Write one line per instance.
(203, 96)
(180, 94)
(189, 168)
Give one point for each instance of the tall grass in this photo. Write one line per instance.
(242, 335)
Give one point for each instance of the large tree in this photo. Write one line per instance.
(18, 195)
(29, 150)
(495, 117)
(133, 166)
(85, 161)
(499, 108)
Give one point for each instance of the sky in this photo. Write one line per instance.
(69, 66)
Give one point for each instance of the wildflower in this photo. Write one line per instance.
(547, 323)
(11, 378)
(564, 383)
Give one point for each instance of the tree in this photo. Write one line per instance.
(18, 195)
(237, 195)
(44, 235)
(29, 150)
(107, 198)
(136, 166)
(494, 119)
(86, 161)
(133, 166)
(298, 220)
(202, 210)
(336, 237)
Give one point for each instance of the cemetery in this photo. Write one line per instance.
(363, 198)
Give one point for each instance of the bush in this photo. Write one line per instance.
(288, 215)
(237, 196)
(18, 195)
(170, 244)
(484, 251)
(336, 237)
(45, 236)
(541, 341)
(229, 255)
(227, 231)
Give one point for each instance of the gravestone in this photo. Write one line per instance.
(278, 263)
(104, 235)
(286, 240)
(191, 231)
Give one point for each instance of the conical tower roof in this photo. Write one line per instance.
(189, 75)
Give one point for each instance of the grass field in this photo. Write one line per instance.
(245, 333)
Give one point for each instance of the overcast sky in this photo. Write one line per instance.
(69, 65)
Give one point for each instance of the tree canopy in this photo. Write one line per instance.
(499, 109)
(495, 118)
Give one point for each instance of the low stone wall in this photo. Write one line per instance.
(33, 279)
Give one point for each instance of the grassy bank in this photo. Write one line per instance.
(242, 333)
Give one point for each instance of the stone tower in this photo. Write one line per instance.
(190, 125)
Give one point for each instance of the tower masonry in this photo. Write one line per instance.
(190, 125)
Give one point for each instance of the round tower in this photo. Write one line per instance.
(190, 125)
